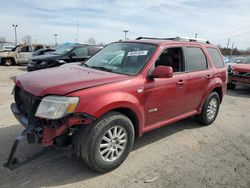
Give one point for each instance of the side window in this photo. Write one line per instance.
(196, 59)
(216, 57)
(81, 52)
(38, 48)
(93, 50)
(172, 57)
(25, 49)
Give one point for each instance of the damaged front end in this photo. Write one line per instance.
(48, 132)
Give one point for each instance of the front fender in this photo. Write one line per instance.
(100, 104)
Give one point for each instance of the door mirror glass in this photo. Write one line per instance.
(162, 72)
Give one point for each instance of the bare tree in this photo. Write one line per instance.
(91, 41)
(2, 40)
(27, 39)
(101, 43)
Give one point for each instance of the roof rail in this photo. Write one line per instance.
(177, 39)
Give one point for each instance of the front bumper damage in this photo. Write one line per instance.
(47, 135)
(12, 162)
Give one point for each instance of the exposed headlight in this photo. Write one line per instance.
(55, 107)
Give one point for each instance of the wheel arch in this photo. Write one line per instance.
(219, 91)
(131, 115)
(11, 58)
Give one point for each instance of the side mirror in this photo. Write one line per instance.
(162, 72)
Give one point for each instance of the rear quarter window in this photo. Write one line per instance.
(196, 60)
(216, 57)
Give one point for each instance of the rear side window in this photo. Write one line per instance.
(196, 59)
(80, 52)
(216, 57)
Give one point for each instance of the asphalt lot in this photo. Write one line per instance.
(179, 155)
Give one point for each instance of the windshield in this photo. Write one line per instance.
(247, 60)
(63, 50)
(122, 58)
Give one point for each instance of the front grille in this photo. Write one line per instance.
(26, 102)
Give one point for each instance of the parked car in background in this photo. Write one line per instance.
(225, 59)
(239, 74)
(234, 60)
(125, 90)
(65, 54)
(20, 54)
(43, 51)
(6, 47)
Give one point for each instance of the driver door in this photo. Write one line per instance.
(165, 98)
(24, 54)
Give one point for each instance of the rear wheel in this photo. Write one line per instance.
(108, 143)
(210, 109)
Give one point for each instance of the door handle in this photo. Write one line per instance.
(181, 82)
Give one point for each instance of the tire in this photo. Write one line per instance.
(8, 62)
(210, 109)
(231, 85)
(102, 150)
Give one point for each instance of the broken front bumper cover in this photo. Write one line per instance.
(44, 135)
(12, 162)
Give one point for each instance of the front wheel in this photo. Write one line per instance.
(210, 109)
(108, 143)
(8, 62)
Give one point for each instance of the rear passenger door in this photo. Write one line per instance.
(220, 71)
(199, 76)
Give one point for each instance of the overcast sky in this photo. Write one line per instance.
(105, 20)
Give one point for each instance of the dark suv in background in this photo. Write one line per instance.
(65, 54)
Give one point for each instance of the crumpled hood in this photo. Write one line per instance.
(65, 79)
(242, 67)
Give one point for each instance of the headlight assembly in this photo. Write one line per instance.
(55, 107)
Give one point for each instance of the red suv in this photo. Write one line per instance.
(125, 90)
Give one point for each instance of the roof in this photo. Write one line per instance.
(162, 41)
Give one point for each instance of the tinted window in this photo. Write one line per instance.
(25, 49)
(216, 57)
(196, 59)
(81, 52)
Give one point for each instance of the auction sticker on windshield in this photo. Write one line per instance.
(138, 53)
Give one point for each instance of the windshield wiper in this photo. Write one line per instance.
(102, 68)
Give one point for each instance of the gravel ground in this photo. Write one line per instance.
(179, 155)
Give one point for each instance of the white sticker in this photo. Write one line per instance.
(138, 53)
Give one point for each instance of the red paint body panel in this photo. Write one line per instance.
(241, 67)
(155, 102)
(63, 80)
